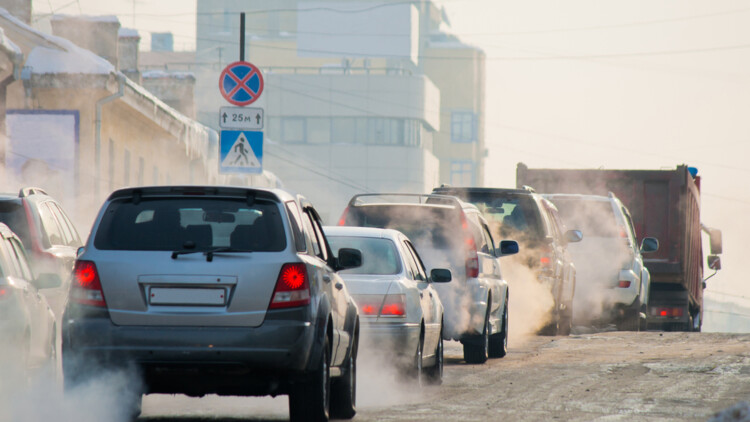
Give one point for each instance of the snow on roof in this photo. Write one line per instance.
(70, 60)
(88, 18)
(9, 48)
(128, 33)
(158, 74)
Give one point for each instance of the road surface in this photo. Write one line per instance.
(586, 377)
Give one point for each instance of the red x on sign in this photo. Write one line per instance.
(241, 83)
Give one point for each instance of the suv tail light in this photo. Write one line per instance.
(623, 284)
(5, 292)
(87, 288)
(394, 305)
(342, 220)
(472, 259)
(292, 287)
(545, 260)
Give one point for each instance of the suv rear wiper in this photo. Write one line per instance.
(210, 253)
(175, 254)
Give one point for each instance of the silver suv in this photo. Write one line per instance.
(612, 282)
(450, 233)
(215, 290)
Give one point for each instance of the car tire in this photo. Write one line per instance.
(498, 346)
(310, 400)
(566, 323)
(435, 372)
(344, 389)
(476, 349)
(630, 322)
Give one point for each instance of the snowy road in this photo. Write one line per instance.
(606, 376)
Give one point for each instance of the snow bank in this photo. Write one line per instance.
(158, 74)
(128, 33)
(7, 46)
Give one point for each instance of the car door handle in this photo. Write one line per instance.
(339, 286)
(327, 278)
(421, 294)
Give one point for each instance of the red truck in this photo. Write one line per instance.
(664, 204)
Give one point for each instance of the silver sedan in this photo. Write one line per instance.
(399, 310)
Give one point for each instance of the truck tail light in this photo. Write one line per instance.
(394, 305)
(292, 287)
(623, 284)
(86, 288)
(667, 312)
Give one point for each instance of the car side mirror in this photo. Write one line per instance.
(573, 236)
(714, 262)
(48, 281)
(80, 251)
(507, 247)
(440, 275)
(349, 258)
(649, 244)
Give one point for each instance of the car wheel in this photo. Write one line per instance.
(344, 389)
(310, 401)
(498, 346)
(630, 322)
(566, 323)
(435, 373)
(476, 348)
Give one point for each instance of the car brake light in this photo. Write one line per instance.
(472, 259)
(624, 284)
(5, 292)
(394, 305)
(292, 287)
(342, 220)
(87, 288)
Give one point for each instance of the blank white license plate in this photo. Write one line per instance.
(177, 296)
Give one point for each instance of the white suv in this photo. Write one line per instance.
(612, 282)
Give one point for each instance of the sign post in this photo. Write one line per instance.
(241, 139)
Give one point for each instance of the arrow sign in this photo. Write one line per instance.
(245, 118)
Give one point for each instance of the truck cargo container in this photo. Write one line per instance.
(664, 204)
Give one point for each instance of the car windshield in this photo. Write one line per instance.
(200, 224)
(379, 256)
(14, 216)
(592, 218)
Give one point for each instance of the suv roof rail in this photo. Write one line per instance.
(611, 194)
(31, 191)
(528, 188)
(417, 198)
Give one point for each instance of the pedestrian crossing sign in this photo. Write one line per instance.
(240, 152)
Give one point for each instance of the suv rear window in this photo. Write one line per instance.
(14, 216)
(431, 226)
(592, 218)
(170, 224)
(514, 216)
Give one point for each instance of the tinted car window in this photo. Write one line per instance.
(428, 227)
(296, 221)
(379, 256)
(14, 216)
(68, 227)
(592, 218)
(54, 234)
(168, 224)
(515, 216)
(421, 274)
(20, 256)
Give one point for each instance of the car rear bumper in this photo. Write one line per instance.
(278, 351)
(393, 338)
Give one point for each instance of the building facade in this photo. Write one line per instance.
(358, 96)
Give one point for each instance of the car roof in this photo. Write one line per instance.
(361, 232)
(187, 190)
(410, 199)
(580, 197)
(446, 190)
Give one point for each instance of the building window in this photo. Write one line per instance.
(126, 168)
(141, 170)
(463, 126)
(293, 129)
(462, 173)
(111, 172)
(318, 130)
